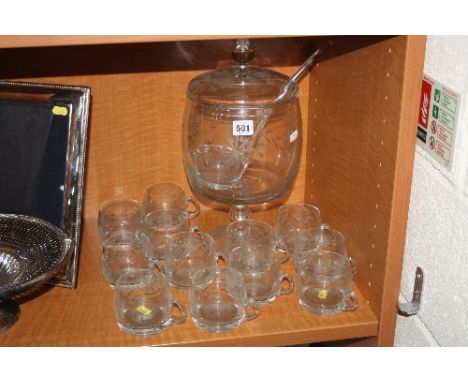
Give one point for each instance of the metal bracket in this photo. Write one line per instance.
(411, 308)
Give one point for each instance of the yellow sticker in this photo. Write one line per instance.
(322, 294)
(59, 110)
(143, 310)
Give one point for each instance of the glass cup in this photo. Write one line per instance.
(323, 238)
(124, 251)
(248, 233)
(324, 271)
(218, 300)
(249, 248)
(260, 267)
(164, 196)
(143, 303)
(291, 220)
(120, 215)
(160, 226)
(188, 252)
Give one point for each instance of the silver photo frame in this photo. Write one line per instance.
(43, 139)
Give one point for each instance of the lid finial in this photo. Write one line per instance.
(242, 52)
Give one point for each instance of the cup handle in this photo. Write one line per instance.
(181, 317)
(221, 262)
(353, 265)
(158, 264)
(281, 252)
(289, 289)
(351, 302)
(196, 211)
(325, 226)
(250, 316)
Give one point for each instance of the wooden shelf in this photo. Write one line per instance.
(84, 317)
(359, 109)
(17, 41)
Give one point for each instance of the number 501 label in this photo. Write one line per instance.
(245, 127)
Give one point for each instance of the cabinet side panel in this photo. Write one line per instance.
(414, 66)
(359, 159)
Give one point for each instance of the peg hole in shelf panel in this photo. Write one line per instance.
(386, 91)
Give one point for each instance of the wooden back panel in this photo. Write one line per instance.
(363, 113)
(135, 133)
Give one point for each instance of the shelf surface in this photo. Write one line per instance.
(28, 41)
(84, 316)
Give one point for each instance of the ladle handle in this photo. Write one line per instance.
(302, 70)
(307, 64)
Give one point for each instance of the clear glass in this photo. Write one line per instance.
(324, 285)
(120, 215)
(161, 225)
(323, 238)
(241, 142)
(188, 252)
(324, 272)
(249, 248)
(164, 196)
(291, 220)
(248, 233)
(124, 251)
(261, 270)
(143, 303)
(218, 300)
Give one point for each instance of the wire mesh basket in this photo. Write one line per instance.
(31, 252)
